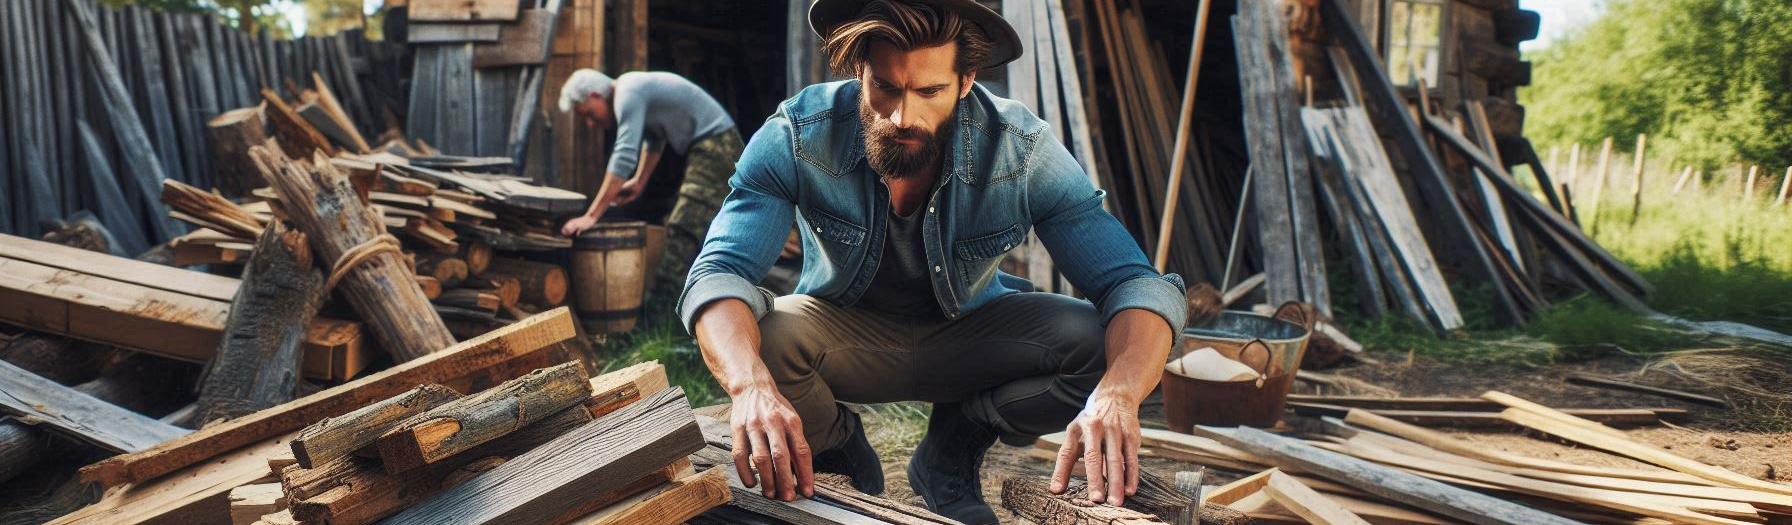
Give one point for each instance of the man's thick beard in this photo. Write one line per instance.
(891, 159)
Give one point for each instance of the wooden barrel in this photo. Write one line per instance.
(656, 247)
(609, 274)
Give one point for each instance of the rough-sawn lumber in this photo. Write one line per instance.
(339, 436)
(456, 361)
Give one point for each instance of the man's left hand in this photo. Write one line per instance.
(1106, 436)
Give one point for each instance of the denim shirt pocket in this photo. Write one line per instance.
(834, 229)
(987, 246)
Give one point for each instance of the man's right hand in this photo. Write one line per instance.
(768, 437)
(577, 224)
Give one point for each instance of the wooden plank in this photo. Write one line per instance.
(1584, 432)
(1452, 445)
(1308, 504)
(423, 33)
(461, 10)
(1269, 182)
(1381, 481)
(522, 43)
(1592, 380)
(148, 297)
(1433, 418)
(555, 477)
(673, 502)
(249, 503)
(465, 423)
(1368, 165)
(38, 401)
(803, 511)
(500, 345)
(1236, 490)
(339, 436)
(1426, 172)
(195, 494)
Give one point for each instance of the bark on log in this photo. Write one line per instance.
(340, 436)
(447, 269)
(465, 423)
(353, 490)
(542, 284)
(229, 137)
(320, 202)
(257, 364)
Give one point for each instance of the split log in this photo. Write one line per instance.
(319, 200)
(465, 423)
(448, 270)
(354, 490)
(459, 360)
(257, 362)
(508, 290)
(293, 131)
(229, 137)
(216, 212)
(335, 437)
(554, 478)
(542, 284)
(431, 233)
(371, 493)
(432, 288)
(477, 254)
(249, 503)
(469, 299)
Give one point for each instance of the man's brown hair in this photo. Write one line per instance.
(908, 26)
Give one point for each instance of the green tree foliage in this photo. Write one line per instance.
(1709, 80)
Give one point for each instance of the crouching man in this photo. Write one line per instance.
(909, 184)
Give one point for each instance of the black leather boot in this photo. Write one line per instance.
(947, 466)
(855, 459)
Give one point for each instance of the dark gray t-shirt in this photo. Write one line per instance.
(902, 286)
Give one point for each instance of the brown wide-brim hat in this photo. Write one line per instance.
(827, 15)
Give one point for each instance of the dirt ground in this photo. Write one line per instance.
(1711, 435)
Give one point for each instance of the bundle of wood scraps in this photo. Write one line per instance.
(1368, 467)
(452, 214)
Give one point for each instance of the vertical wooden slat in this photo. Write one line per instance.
(132, 139)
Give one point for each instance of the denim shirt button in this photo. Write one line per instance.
(929, 209)
(936, 268)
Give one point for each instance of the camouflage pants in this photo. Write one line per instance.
(708, 164)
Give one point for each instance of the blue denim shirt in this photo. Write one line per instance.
(1006, 175)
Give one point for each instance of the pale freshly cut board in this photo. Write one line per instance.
(1308, 504)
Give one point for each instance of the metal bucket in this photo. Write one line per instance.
(1271, 345)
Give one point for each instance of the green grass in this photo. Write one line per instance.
(659, 336)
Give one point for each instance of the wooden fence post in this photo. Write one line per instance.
(1605, 159)
(1785, 184)
(1555, 160)
(1748, 185)
(1685, 176)
(1636, 179)
(1573, 165)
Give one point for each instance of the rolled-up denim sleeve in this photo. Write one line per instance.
(749, 231)
(1090, 246)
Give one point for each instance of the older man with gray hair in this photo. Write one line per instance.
(649, 111)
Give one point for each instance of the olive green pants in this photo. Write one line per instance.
(1022, 365)
(709, 162)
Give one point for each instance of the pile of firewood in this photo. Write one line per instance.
(452, 214)
(553, 444)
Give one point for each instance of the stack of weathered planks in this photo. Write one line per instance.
(551, 447)
(479, 72)
(544, 446)
(101, 104)
(1382, 470)
(452, 214)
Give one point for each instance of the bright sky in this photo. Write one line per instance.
(1559, 16)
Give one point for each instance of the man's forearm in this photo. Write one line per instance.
(728, 335)
(606, 193)
(1138, 344)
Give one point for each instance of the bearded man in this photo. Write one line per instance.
(909, 183)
